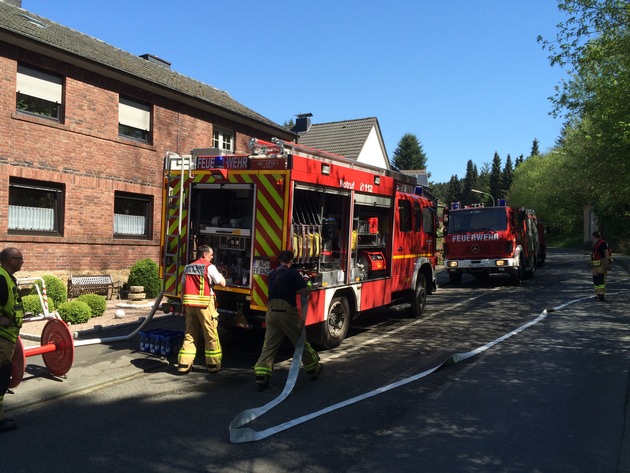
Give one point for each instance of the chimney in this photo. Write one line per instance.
(156, 60)
(303, 123)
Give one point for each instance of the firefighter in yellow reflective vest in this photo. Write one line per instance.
(600, 264)
(201, 312)
(11, 316)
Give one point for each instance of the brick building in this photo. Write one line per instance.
(85, 127)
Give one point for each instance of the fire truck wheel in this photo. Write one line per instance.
(419, 297)
(517, 276)
(455, 277)
(531, 272)
(336, 325)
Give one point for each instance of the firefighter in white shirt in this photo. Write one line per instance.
(201, 312)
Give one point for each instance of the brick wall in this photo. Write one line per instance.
(86, 155)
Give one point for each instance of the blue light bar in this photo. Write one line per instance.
(501, 202)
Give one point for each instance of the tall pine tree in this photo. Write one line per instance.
(470, 182)
(495, 177)
(454, 191)
(535, 151)
(409, 154)
(507, 176)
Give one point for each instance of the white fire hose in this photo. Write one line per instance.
(240, 434)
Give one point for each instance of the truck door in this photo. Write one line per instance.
(407, 240)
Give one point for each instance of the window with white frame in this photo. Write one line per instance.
(35, 206)
(38, 92)
(132, 215)
(134, 119)
(223, 139)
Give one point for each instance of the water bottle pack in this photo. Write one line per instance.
(161, 342)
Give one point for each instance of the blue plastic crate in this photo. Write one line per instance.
(161, 342)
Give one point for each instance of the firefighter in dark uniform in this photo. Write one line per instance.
(283, 320)
(600, 264)
(11, 316)
(201, 313)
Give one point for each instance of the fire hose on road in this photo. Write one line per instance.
(240, 434)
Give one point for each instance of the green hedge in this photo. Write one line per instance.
(55, 289)
(75, 312)
(32, 303)
(97, 303)
(145, 273)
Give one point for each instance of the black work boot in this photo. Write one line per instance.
(262, 382)
(316, 372)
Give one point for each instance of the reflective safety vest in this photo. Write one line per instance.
(197, 287)
(12, 309)
(596, 257)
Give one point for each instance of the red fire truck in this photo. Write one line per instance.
(363, 236)
(491, 240)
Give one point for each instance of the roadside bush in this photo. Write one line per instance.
(33, 304)
(75, 312)
(96, 302)
(145, 273)
(55, 290)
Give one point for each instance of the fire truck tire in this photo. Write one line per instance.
(517, 275)
(419, 297)
(531, 272)
(455, 277)
(336, 325)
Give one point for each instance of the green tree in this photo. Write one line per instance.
(593, 44)
(541, 183)
(495, 177)
(454, 191)
(409, 154)
(440, 191)
(506, 177)
(470, 182)
(535, 151)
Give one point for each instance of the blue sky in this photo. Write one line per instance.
(467, 77)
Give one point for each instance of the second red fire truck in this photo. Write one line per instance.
(491, 240)
(363, 236)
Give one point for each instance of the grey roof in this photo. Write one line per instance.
(345, 138)
(420, 175)
(28, 30)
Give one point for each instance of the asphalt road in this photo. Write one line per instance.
(543, 388)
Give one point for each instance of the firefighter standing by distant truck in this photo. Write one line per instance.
(201, 312)
(600, 264)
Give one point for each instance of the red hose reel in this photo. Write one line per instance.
(57, 350)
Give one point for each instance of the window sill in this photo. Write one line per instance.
(53, 123)
(40, 120)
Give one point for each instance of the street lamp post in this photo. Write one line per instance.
(485, 193)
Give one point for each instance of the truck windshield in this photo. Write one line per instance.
(477, 220)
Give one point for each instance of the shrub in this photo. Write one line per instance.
(96, 302)
(145, 273)
(55, 290)
(33, 304)
(75, 312)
